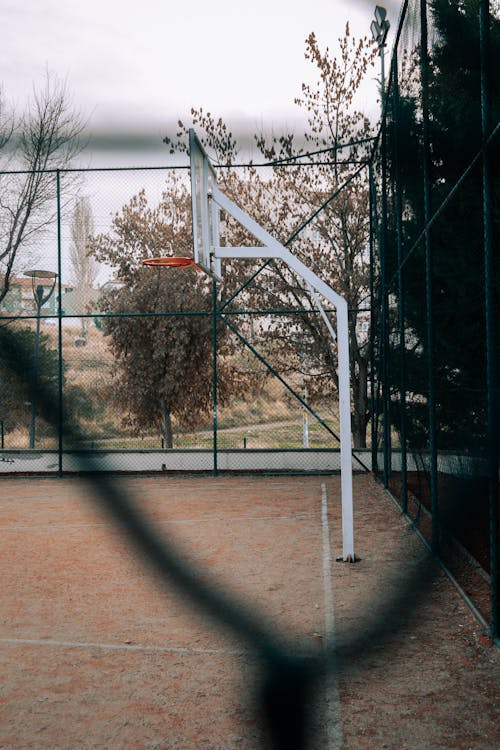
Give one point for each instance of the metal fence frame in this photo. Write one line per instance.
(387, 217)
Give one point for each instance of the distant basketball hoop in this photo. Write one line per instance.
(170, 261)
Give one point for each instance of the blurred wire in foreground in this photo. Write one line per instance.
(291, 674)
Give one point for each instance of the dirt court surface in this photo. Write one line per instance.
(97, 653)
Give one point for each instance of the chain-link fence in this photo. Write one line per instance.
(256, 395)
(257, 392)
(435, 283)
(252, 386)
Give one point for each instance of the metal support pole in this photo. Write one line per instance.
(345, 433)
(271, 248)
(293, 235)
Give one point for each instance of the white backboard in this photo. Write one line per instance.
(205, 211)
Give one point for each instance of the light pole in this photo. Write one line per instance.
(379, 28)
(41, 296)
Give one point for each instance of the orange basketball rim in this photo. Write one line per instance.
(170, 261)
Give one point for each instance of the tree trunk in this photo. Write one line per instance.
(359, 425)
(360, 416)
(167, 425)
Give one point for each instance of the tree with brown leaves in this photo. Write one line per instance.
(324, 174)
(164, 355)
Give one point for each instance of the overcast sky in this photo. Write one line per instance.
(139, 66)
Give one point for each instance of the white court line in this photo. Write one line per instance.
(123, 647)
(332, 695)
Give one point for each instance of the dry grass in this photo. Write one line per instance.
(268, 416)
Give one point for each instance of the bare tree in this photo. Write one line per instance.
(84, 265)
(44, 138)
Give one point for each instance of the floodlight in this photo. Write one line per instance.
(380, 26)
(39, 274)
(380, 15)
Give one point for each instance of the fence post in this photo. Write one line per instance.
(490, 319)
(401, 289)
(374, 405)
(424, 75)
(59, 321)
(384, 323)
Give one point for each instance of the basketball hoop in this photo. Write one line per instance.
(170, 261)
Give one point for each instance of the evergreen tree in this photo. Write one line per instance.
(457, 234)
